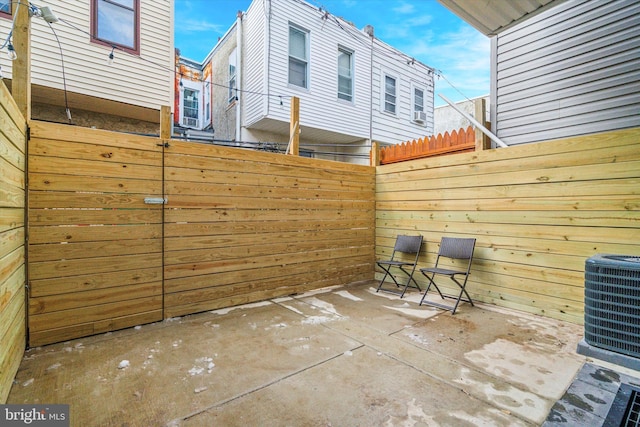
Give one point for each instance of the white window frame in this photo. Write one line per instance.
(305, 60)
(415, 87)
(198, 119)
(343, 96)
(383, 91)
(233, 85)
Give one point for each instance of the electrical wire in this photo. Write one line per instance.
(64, 78)
(170, 69)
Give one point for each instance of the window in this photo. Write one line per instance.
(5, 8)
(298, 57)
(116, 22)
(389, 94)
(232, 76)
(190, 108)
(345, 74)
(418, 99)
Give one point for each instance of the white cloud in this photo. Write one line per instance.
(404, 8)
(193, 26)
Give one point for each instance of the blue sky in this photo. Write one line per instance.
(423, 29)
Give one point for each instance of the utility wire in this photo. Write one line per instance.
(64, 78)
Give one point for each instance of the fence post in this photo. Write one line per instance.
(165, 122)
(21, 67)
(294, 127)
(374, 156)
(480, 113)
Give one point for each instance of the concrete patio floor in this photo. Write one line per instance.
(342, 356)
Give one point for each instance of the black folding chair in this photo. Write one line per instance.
(408, 249)
(453, 249)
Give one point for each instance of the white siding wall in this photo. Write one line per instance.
(395, 128)
(129, 79)
(319, 104)
(254, 52)
(572, 70)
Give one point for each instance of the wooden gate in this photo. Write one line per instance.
(94, 246)
(238, 226)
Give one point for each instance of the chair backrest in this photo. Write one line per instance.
(408, 244)
(457, 248)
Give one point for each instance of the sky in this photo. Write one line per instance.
(423, 29)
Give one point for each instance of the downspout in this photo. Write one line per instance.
(267, 62)
(239, 96)
(371, 91)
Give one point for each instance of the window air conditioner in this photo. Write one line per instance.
(419, 116)
(190, 121)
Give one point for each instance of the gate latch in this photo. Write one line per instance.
(155, 200)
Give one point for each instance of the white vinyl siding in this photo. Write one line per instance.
(145, 81)
(345, 74)
(393, 129)
(571, 70)
(265, 75)
(298, 56)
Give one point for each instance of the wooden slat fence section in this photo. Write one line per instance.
(244, 226)
(95, 247)
(538, 212)
(459, 141)
(12, 239)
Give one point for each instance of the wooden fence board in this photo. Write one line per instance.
(60, 217)
(65, 333)
(67, 301)
(268, 226)
(91, 168)
(100, 233)
(72, 183)
(70, 200)
(103, 154)
(232, 177)
(94, 249)
(255, 219)
(81, 283)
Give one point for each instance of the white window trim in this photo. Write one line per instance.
(195, 86)
(383, 93)
(352, 66)
(307, 59)
(233, 83)
(421, 87)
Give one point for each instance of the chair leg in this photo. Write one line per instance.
(387, 271)
(431, 282)
(462, 291)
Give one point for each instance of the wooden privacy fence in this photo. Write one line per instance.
(13, 140)
(238, 226)
(455, 142)
(538, 212)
